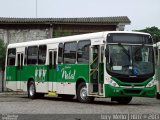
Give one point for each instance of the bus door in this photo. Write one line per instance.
(96, 70)
(52, 69)
(19, 66)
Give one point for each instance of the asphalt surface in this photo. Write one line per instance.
(20, 104)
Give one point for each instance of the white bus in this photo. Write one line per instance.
(115, 64)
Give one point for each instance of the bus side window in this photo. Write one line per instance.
(32, 55)
(18, 61)
(55, 56)
(25, 56)
(83, 51)
(50, 59)
(42, 54)
(11, 58)
(70, 49)
(60, 53)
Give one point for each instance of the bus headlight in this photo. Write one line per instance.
(151, 83)
(113, 83)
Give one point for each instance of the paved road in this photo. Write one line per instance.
(50, 107)
(20, 104)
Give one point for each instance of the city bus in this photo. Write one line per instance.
(110, 64)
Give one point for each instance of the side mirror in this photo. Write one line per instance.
(106, 53)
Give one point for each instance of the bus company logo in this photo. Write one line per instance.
(68, 74)
(40, 74)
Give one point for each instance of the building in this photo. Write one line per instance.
(13, 30)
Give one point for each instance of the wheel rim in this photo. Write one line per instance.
(83, 93)
(31, 90)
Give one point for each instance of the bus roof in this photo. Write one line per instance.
(70, 38)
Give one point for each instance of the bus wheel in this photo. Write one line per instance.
(158, 95)
(123, 100)
(31, 90)
(82, 94)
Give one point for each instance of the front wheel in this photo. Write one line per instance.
(158, 95)
(82, 94)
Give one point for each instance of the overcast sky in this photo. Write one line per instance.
(142, 13)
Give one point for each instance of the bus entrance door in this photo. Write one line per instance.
(52, 69)
(96, 70)
(19, 67)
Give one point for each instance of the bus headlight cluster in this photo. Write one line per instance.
(151, 83)
(113, 83)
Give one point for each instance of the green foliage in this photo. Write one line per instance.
(2, 53)
(60, 33)
(154, 31)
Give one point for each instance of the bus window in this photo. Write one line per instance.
(42, 54)
(11, 57)
(18, 61)
(70, 52)
(32, 55)
(25, 57)
(83, 51)
(60, 53)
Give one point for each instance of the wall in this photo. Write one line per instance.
(23, 35)
(14, 33)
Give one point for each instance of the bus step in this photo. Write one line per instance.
(100, 94)
(52, 93)
(94, 93)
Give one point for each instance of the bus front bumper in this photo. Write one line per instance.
(111, 91)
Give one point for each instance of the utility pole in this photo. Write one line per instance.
(36, 8)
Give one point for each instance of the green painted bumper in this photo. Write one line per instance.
(111, 91)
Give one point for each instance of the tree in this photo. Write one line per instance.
(2, 54)
(154, 31)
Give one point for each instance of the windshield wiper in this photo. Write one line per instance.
(124, 50)
(139, 48)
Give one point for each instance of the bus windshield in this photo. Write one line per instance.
(130, 59)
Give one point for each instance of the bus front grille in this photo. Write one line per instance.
(132, 80)
(132, 91)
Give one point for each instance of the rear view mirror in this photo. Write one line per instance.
(107, 52)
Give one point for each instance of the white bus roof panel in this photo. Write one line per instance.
(69, 38)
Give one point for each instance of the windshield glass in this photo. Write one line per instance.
(130, 60)
(142, 60)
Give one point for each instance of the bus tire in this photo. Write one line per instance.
(158, 95)
(31, 90)
(123, 100)
(82, 94)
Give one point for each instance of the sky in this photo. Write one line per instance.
(142, 13)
